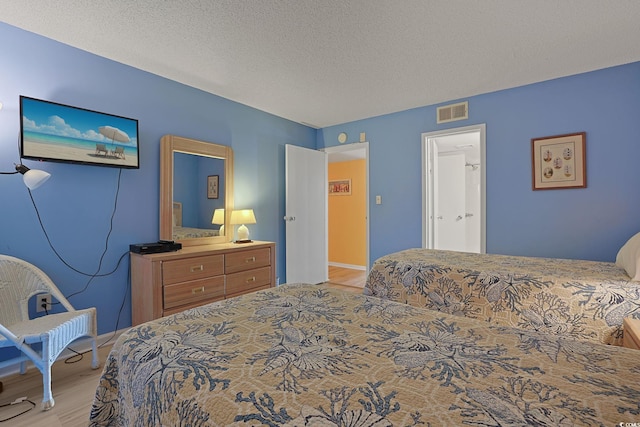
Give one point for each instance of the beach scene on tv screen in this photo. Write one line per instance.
(57, 132)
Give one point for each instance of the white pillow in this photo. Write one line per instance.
(629, 257)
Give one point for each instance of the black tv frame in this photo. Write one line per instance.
(50, 131)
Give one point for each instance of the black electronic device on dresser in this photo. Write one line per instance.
(155, 247)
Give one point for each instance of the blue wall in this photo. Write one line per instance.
(76, 203)
(590, 223)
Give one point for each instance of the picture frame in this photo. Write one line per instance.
(213, 186)
(559, 162)
(340, 187)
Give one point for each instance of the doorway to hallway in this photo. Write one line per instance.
(454, 180)
(348, 212)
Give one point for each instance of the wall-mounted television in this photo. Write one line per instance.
(62, 133)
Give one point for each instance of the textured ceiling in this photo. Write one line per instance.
(325, 62)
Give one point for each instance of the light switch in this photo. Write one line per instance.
(378, 200)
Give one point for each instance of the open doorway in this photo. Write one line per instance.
(348, 216)
(454, 176)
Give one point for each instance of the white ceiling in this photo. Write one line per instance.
(326, 62)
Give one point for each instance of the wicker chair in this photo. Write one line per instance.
(19, 281)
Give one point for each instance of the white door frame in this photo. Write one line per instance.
(427, 171)
(353, 147)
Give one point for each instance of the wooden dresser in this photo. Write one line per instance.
(167, 283)
(631, 337)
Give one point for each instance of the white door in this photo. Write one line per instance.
(449, 184)
(306, 189)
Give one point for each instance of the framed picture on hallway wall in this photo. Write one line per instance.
(559, 161)
(340, 187)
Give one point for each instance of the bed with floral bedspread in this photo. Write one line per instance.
(308, 355)
(583, 299)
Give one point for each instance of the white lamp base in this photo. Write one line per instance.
(243, 232)
(221, 231)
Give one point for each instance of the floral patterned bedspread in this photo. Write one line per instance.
(582, 299)
(301, 355)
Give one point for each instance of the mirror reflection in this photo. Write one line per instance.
(196, 191)
(198, 196)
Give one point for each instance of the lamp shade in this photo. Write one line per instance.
(243, 216)
(33, 178)
(218, 217)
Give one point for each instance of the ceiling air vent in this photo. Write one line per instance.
(453, 112)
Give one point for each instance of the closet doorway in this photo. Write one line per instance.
(348, 216)
(454, 181)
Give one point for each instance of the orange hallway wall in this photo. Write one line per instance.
(347, 215)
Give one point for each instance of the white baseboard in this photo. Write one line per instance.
(351, 266)
(81, 345)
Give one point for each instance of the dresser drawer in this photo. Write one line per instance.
(246, 260)
(193, 291)
(182, 270)
(171, 311)
(238, 283)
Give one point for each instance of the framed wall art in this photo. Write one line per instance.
(212, 186)
(559, 161)
(340, 187)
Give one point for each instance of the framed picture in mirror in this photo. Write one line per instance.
(212, 186)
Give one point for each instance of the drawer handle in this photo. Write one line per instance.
(251, 279)
(197, 290)
(250, 259)
(197, 268)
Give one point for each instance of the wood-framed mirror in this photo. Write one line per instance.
(196, 190)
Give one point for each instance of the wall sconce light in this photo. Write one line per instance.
(244, 216)
(33, 178)
(218, 219)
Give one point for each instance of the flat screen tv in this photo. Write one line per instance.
(62, 133)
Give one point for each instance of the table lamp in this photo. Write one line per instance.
(218, 218)
(243, 216)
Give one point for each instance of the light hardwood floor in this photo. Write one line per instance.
(74, 384)
(347, 279)
(73, 387)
